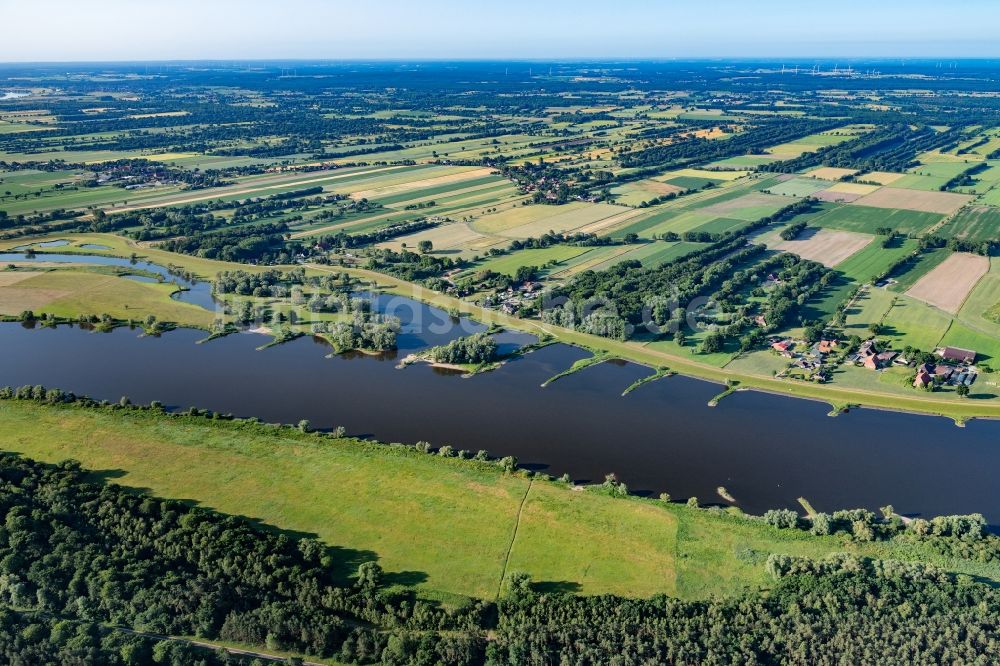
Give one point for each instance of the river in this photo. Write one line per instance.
(766, 450)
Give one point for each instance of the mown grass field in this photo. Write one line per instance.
(68, 293)
(442, 525)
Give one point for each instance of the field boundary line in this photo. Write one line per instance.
(513, 537)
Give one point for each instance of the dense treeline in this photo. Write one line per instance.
(844, 610)
(413, 267)
(890, 148)
(31, 639)
(749, 142)
(263, 243)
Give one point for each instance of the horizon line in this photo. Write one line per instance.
(469, 59)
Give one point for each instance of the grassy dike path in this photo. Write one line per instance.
(450, 528)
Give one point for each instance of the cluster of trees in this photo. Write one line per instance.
(792, 231)
(966, 178)
(261, 284)
(29, 639)
(986, 247)
(473, 349)
(843, 610)
(411, 266)
(865, 525)
(366, 330)
(627, 295)
(262, 243)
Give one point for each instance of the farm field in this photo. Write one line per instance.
(533, 221)
(977, 223)
(874, 260)
(982, 306)
(509, 263)
(870, 306)
(943, 203)
(65, 292)
(867, 219)
(800, 187)
(633, 194)
(986, 344)
(948, 284)
(829, 248)
(831, 173)
(914, 323)
(882, 177)
(915, 269)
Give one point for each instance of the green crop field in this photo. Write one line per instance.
(509, 263)
(800, 187)
(978, 223)
(691, 182)
(874, 260)
(921, 182)
(720, 225)
(867, 219)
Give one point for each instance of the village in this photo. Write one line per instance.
(946, 366)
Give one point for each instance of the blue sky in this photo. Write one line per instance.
(65, 30)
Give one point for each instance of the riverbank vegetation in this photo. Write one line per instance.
(401, 504)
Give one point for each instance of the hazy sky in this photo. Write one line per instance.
(64, 30)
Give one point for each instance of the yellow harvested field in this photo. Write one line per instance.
(611, 222)
(713, 133)
(421, 184)
(928, 202)
(444, 237)
(10, 278)
(564, 220)
(15, 300)
(853, 188)
(537, 219)
(826, 246)
(948, 285)
(703, 173)
(882, 177)
(164, 157)
(515, 217)
(830, 173)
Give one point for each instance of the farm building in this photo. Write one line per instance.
(957, 354)
(782, 346)
(923, 380)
